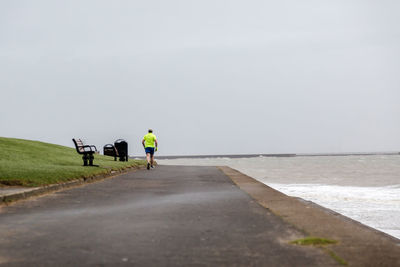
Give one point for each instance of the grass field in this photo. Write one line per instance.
(33, 163)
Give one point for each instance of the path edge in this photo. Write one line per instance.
(359, 245)
(39, 191)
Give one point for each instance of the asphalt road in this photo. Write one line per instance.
(168, 216)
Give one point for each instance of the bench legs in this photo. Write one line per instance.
(88, 158)
(91, 158)
(85, 158)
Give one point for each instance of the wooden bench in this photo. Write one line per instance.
(86, 150)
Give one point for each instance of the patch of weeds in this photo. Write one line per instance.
(313, 241)
(320, 242)
(336, 257)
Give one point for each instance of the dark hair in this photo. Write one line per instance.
(150, 130)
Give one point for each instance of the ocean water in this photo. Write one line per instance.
(364, 188)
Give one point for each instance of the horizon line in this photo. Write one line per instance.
(275, 155)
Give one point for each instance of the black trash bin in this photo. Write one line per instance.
(122, 147)
(110, 150)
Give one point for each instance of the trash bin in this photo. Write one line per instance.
(110, 150)
(122, 148)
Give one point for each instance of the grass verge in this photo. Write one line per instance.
(33, 163)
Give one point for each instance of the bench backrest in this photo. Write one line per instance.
(78, 145)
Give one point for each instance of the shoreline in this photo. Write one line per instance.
(284, 155)
(359, 244)
(362, 188)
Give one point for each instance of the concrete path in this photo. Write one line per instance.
(7, 191)
(169, 216)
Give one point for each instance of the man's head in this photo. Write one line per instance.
(150, 130)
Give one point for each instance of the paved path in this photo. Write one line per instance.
(169, 216)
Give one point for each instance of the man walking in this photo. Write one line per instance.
(150, 145)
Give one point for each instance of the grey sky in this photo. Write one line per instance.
(210, 77)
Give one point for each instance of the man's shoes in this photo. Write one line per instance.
(148, 166)
(152, 166)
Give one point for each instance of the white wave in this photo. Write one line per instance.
(377, 207)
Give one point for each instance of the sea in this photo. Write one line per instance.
(365, 188)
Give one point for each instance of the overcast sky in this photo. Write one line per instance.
(209, 76)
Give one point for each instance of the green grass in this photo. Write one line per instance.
(320, 242)
(337, 258)
(33, 163)
(313, 241)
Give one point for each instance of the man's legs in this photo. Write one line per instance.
(148, 160)
(152, 160)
